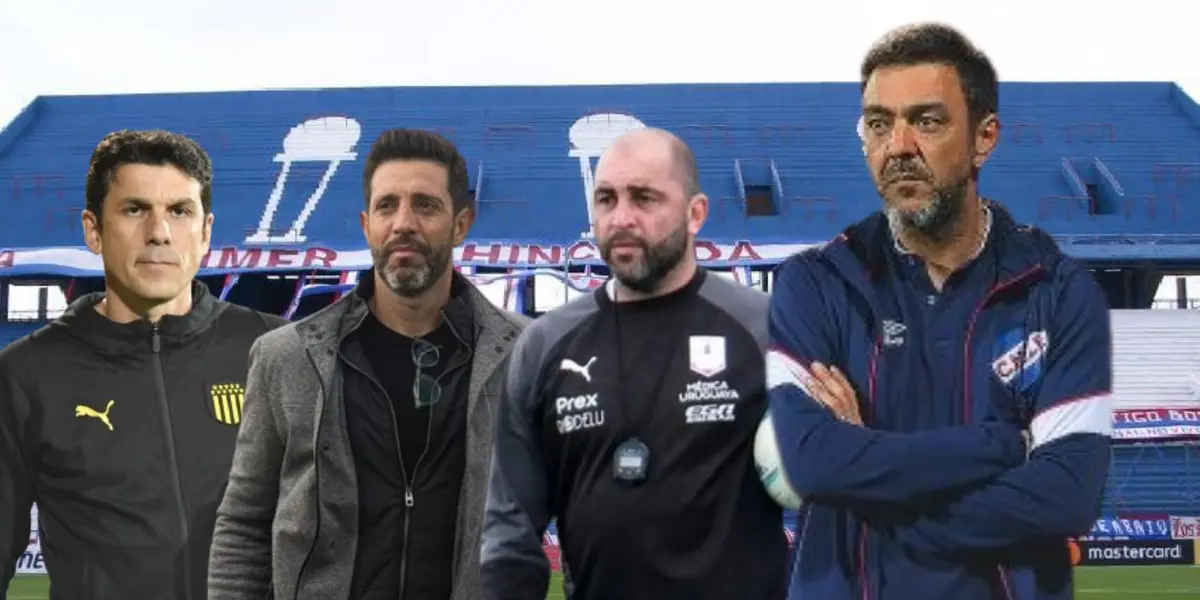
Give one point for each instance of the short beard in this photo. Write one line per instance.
(937, 221)
(646, 275)
(411, 282)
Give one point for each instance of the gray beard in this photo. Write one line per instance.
(937, 221)
(410, 283)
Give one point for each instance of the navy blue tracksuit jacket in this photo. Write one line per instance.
(935, 497)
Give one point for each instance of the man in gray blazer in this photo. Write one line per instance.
(362, 462)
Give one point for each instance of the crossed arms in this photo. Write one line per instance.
(999, 498)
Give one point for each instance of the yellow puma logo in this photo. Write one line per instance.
(87, 411)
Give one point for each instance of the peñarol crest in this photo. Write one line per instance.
(225, 402)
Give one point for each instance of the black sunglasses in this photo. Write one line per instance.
(426, 390)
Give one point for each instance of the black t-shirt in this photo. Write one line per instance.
(431, 443)
(391, 357)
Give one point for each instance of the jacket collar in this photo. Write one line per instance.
(82, 321)
(468, 313)
(1015, 249)
(457, 311)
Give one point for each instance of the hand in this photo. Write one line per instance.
(831, 388)
(1008, 412)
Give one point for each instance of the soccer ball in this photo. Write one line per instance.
(770, 466)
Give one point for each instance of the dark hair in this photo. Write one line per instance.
(415, 144)
(936, 43)
(155, 148)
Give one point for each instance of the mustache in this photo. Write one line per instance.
(625, 237)
(406, 242)
(905, 168)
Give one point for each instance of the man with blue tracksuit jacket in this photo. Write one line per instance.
(913, 355)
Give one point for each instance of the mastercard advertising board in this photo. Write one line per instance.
(1086, 553)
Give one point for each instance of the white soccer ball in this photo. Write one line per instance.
(770, 466)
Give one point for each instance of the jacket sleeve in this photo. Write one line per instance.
(835, 461)
(513, 562)
(240, 558)
(1058, 492)
(16, 474)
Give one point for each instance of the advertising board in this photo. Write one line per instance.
(1133, 552)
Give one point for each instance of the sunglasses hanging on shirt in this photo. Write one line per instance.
(426, 389)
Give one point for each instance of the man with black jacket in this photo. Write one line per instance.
(361, 469)
(629, 414)
(119, 418)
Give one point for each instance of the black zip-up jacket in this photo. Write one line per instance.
(406, 550)
(123, 434)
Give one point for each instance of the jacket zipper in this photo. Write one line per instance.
(872, 374)
(409, 495)
(967, 396)
(172, 457)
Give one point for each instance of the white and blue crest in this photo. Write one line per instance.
(1019, 358)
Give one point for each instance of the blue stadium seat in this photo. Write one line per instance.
(1154, 479)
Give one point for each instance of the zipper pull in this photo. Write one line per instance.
(408, 497)
(155, 344)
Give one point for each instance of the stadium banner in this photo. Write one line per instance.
(1155, 425)
(1133, 552)
(551, 547)
(31, 561)
(1185, 528)
(1131, 527)
(80, 262)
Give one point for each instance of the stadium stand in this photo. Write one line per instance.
(1093, 163)
(1111, 170)
(1156, 359)
(1156, 366)
(15, 330)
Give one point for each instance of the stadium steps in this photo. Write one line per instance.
(533, 188)
(1153, 479)
(1156, 358)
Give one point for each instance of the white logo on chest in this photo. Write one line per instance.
(573, 413)
(571, 366)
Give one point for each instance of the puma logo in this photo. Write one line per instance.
(87, 411)
(574, 367)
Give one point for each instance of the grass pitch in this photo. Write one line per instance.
(1091, 583)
